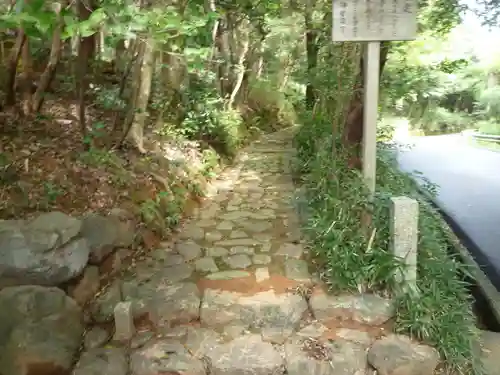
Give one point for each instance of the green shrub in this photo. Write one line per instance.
(489, 101)
(489, 127)
(441, 121)
(267, 108)
(439, 313)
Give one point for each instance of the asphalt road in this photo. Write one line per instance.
(468, 180)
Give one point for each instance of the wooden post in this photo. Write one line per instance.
(370, 113)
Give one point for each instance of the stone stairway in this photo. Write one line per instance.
(235, 294)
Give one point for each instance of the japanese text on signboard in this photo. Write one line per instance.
(374, 20)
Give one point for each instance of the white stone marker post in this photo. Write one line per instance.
(124, 321)
(404, 239)
(372, 21)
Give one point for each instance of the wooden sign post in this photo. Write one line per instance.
(372, 21)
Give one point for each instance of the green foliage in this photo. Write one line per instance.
(268, 109)
(489, 99)
(439, 313)
(439, 120)
(211, 162)
(488, 127)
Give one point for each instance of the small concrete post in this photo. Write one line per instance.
(124, 322)
(404, 238)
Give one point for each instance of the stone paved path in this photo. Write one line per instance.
(234, 294)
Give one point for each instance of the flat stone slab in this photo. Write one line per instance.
(290, 250)
(365, 308)
(168, 303)
(201, 341)
(261, 259)
(246, 355)
(206, 264)
(164, 357)
(189, 250)
(297, 270)
(264, 309)
(338, 357)
(396, 354)
(238, 261)
(227, 275)
(109, 361)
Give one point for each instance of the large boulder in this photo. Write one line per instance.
(44, 251)
(40, 331)
(104, 234)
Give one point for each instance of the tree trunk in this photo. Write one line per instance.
(10, 90)
(312, 59)
(136, 133)
(26, 78)
(353, 129)
(240, 66)
(50, 70)
(86, 50)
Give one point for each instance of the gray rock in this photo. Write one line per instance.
(490, 351)
(398, 355)
(359, 337)
(173, 260)
(30, 255)
(238, 234)
(257, 226)
(261, 259)
(189, 250)
(206, 223)
(87, 286)
(365, 308)
(163, 357)
(264, 309)
(234, 330)
(238, 242)
(260, 358)
(104, 234)
(206, 264)
(297, 270)
(313, 330)
(40, 328)
(276, 335)
(338, 357)
(216, 252)
(95, 338)
(124, 322)
(141, 339)
(235, 216)
(238, 261)
(51, 229)
(225, 225)
(177, 273)
(201, 341)
(177, 332)
(104, 305)
(192, 231)
(213, 236)
(241, 250)
(109, 361)
(290, 250)
(228, 275)
(178, 303)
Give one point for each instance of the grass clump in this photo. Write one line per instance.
(440, 313)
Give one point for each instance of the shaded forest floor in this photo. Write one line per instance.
(47, 165)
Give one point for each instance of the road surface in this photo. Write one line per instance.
(469, 190)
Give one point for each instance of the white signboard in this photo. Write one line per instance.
(374, 20)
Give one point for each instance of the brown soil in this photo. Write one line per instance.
(334, 325)
(249, 286)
